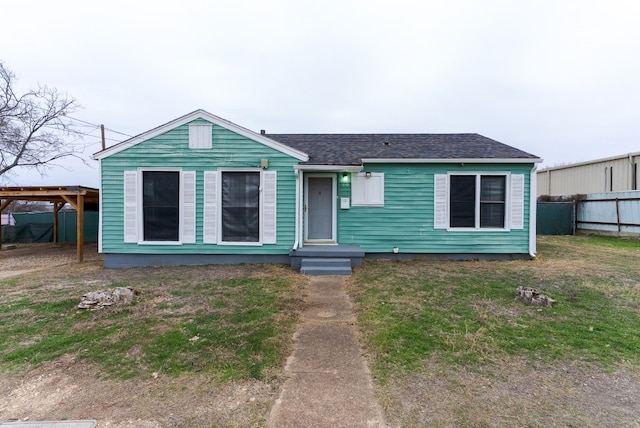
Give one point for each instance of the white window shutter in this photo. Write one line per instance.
(367, 191)
(189, 207)
(269, 209)
(517, 201)
(210, 228)
(440, 202)
(357, 189)
(131, 206)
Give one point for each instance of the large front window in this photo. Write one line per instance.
(477, 201)
(161, 205)
(240, 206)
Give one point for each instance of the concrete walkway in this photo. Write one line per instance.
(328, 384)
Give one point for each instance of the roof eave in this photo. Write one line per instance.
(202, 114)
(452, 160)
(328, 168)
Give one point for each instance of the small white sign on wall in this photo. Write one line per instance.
(344, 203)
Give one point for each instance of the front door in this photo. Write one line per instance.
(320, 194)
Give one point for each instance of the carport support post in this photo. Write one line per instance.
(3, 205)
(80, 227)
(57, 206)
(1, 208)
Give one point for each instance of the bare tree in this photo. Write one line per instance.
(34, 128)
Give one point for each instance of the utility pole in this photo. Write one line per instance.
(104, 143)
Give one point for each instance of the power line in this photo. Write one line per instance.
(98, 126)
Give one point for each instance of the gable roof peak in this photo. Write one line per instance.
(205, 115)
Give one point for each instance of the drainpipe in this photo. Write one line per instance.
(296, 242)
(533, 211)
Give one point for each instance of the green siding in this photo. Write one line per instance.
(406, 220)
(171, 150)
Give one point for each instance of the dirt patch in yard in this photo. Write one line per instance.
(67, 389)
(516, 394)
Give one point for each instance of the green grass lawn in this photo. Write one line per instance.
(464, 313)
(185, 319)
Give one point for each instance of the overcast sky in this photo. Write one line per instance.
(556, 78)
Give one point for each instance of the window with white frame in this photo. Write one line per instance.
(240, 207)
(480, 201)
(159, 206)
(367, 189)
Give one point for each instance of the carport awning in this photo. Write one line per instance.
(76, 196)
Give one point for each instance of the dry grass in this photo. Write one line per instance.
(434, 330)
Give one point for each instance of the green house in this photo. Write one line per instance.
(203, 190)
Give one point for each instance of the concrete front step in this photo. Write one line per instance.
(325, 266)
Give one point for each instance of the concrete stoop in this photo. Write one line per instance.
(325, 266)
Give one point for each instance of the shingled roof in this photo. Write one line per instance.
(351, 149)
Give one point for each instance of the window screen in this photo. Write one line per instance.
(466, 205)
(462, 201)
(161, 210)
(492, 200)
(240, 206)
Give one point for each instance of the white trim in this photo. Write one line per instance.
(452, 160)
(202, 114)
(533, 208)
(334, 211)
(298, 211)
(100, 208)
(328, 168)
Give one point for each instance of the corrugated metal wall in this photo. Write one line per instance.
(617, 213)
(607, 175)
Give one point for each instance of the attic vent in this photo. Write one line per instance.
(386, 143)
(200, 136)
(262, 132)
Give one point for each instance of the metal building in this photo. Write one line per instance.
(614, 174)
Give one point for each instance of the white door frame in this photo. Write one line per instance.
(334, 211)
